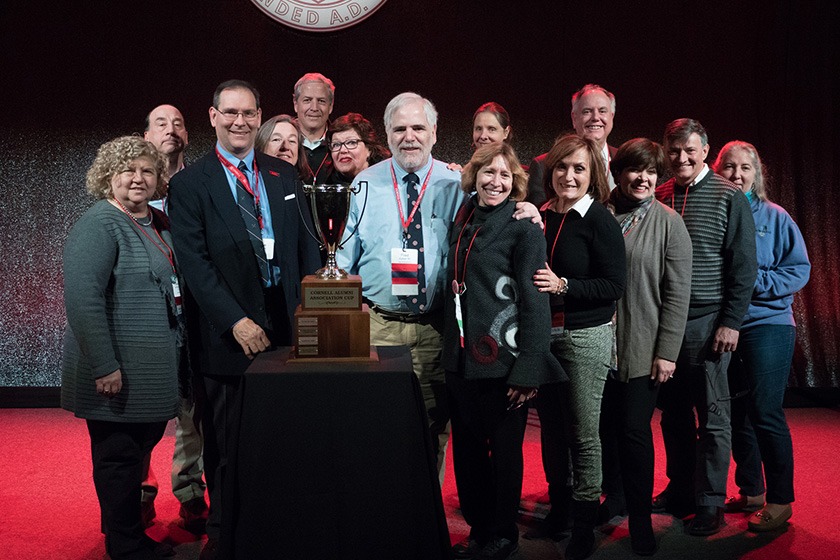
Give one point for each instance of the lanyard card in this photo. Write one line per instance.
(404, 272)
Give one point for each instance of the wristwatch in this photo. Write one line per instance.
(565, 287)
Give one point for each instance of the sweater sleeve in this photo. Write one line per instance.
(739, 261)
(89, 259)
(791, 268)
(674, 290)
(608, 258)
(535, 365)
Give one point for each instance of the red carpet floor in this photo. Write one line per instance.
(48, 507)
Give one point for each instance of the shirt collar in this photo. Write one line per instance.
(605, 153)
(582, 205)
(400, 172)
(248, 159)
(700, 177)
(312, 144)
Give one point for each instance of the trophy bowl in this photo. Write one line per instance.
(330, 208)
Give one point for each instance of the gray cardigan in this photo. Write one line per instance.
(118, 317)
(652, 313)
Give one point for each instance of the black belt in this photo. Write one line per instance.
(388, 315)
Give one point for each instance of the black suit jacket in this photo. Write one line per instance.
(218, 264)
(538, 192)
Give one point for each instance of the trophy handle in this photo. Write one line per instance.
(356, 191)
(307, 189)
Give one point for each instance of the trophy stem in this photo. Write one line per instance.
(331, 270)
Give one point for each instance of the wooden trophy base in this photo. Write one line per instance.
(332, 323)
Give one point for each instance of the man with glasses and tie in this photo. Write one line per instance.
(401, 245)
(227, 211)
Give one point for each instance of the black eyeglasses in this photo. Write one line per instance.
(349, 144)
(231, 115)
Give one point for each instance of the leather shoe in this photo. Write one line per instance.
(467, 548)
(739, 503)
(498, 549)
(147, 514)
(669, 501)
(159, 549)
(210, 550)
(546, 529)
(643, 543)
(609, 508)
(194, 515)
(707, 521)
(762, 521)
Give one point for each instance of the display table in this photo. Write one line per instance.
(335, 462)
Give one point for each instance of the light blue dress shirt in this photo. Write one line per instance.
(267, 231)
(368, 251)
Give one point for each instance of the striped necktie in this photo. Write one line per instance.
(250, 212)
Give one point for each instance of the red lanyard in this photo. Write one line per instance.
(255, 192)
(458, 287)
(166, 253)
(405, 223)
(323, 161)
(674, 194)
(556, 237)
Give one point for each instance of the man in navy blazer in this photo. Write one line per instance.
(242, 281)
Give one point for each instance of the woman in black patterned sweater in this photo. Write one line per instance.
(496, 348)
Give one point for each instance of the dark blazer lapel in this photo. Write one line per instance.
(219, 190)
(279, 186)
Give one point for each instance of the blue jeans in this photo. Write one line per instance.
(760, 433)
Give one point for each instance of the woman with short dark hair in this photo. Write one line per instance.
(650, 321)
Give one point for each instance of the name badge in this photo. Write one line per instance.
(404, 272)
(176, 292)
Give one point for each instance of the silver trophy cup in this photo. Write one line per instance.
(330, 209)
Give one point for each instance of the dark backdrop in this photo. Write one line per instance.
(78, 74)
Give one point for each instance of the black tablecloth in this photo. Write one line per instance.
(335, 462)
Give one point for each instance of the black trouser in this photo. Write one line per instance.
(626, 415)
(221, 431)
(487, 455)
(117, 450)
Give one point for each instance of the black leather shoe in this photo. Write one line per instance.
(210, 550)
(643, 542)
(498, 549)
(546, 529)
(147, 513)
(194, 515)
(609, 508)
(159, 549)
(707, 521)
(668, 501)
(467, 548)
